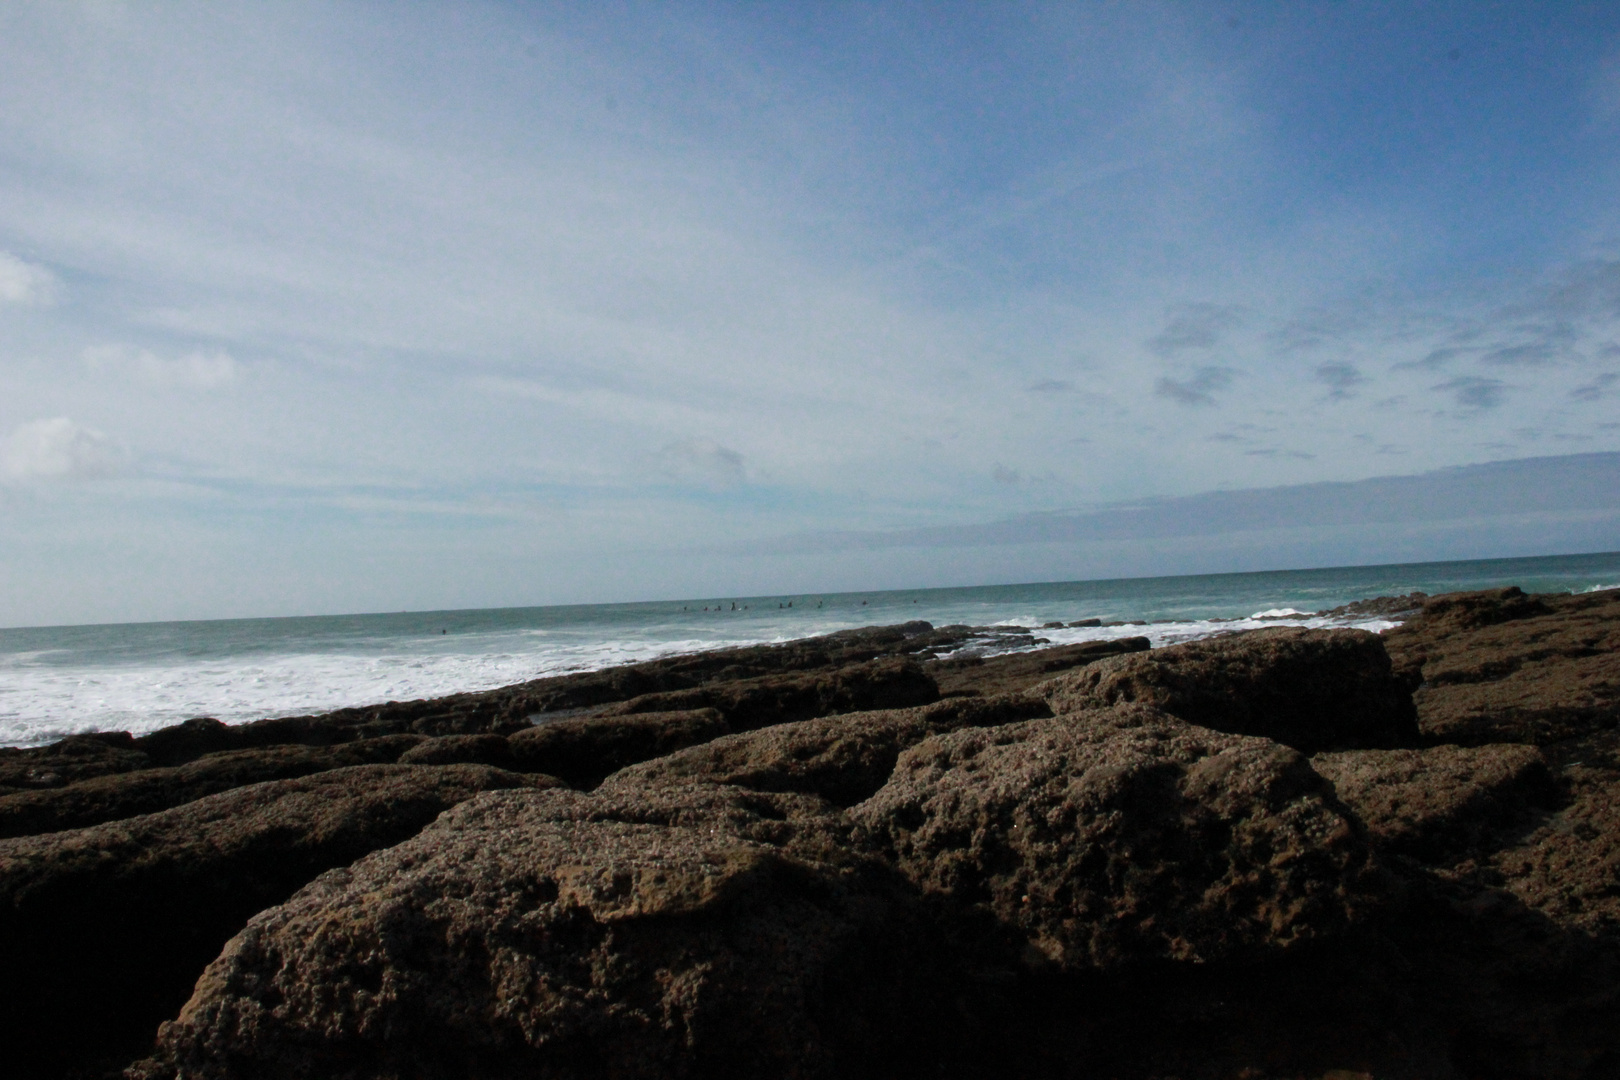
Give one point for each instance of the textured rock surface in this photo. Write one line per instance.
(1568, 866)
(1199, 904)
(696, 932)
(1116, 837)
(78, 757)
(844, 759)
(114, 922)
(1444, 803)
(583, 750)
(1017, 672)
(1500, 666)
(886, 683)
(147, 791)
(1312, 689)
(485, 749)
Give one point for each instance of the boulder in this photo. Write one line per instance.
(1111, 838)
(1444, 803)
(1505, 667)
(687, 932)
(582, 750)
(115, 922)
(886, 683)
(1314, 690)
(147, 791)
(843, 759)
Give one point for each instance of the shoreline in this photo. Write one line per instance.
(1279, 852)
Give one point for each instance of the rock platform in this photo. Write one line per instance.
(1281, 853)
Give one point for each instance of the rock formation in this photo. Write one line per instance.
(882, 853)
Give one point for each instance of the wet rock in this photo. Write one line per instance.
(147, 791)
(75, 758)
(115, 922)
(1113, 838)
(843, 759)
(1505, 667)
(886, 683)
(696, 932)
(1387, 606)
(1315, 690)
(1444, 803)
(583, 750)
(1015, 672)
(1472, 610)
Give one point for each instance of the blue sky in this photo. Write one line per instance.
(313, 308)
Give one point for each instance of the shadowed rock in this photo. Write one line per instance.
(844, 759)
(1016, 672)
(1312, 689)
(147, 791)
(485, 749)
(1444, 803)
(114, 922)
(695, 932)
(779, 699)
(1113, 838)
(1500, 666)
(75, 758)
(583, 750)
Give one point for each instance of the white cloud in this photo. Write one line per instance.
(25, 283)
(203, 370)
(58, 449)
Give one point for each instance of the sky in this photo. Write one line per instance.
(357, 307)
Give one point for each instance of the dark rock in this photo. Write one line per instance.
(886, 683)
(1387, 606)
(1126, 836)
(75, 758)
(113, 924)
(127, 794)
(1442, 804)
(486, 749)
(583, 750)
(698, 932)
(1013, 673)
(1568, 866)
(843, 759)
(1087, 622)
(1312, 689)
(190, 740)
(1472, 610)
(1503, 667)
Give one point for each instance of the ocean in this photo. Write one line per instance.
(60, 680)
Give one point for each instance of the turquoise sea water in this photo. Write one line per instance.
(139, 676)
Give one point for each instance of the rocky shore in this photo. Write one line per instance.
(1279, 853)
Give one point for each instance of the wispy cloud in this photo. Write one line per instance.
(1194, 326)
(1198, 389)
(58, 449)
(199, 369)
(1341, 379)
(1474, 392)
(24, 282)
(705, 462)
